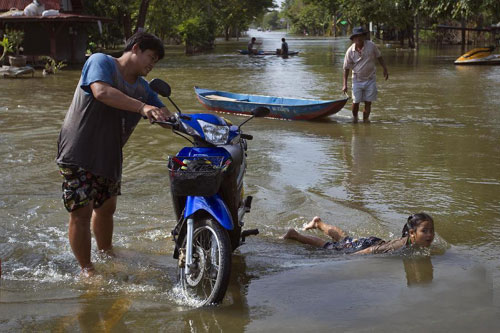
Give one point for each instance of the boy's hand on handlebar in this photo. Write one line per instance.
(154, 113)
(170, 122)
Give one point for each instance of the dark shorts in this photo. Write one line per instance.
(80, 187)
(350, 245)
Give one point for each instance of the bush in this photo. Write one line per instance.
(197, 33)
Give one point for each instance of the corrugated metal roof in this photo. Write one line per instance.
(5, 5)
(56, 18)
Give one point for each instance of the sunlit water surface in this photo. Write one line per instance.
(432, 145)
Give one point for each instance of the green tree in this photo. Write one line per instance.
(163, 19)
(235, 16)
(271, 20)
(312, 16)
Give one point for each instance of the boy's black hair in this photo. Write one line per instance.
(146, 41)
(414, 221)
(283, 39)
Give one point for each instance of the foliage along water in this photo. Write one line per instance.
(432, 146)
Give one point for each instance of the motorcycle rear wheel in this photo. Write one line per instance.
(207, 283)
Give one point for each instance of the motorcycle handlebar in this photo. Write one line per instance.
(171, 123)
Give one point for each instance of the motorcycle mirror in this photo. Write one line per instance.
(257, 112)
(160, 87)
(260, 111)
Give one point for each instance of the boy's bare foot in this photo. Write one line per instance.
(88, 271)
(290, 234)
(313, 224)
(109, 253)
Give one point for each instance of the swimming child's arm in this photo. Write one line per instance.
(390, 246)
(368, 250)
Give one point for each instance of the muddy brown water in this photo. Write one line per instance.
(432, 145)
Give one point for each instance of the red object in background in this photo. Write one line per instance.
(5, 5)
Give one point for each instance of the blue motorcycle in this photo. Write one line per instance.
(206, 183)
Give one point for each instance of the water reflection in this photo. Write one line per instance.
(220, 318)
(418, 270)
(359, 159)
(97, 314)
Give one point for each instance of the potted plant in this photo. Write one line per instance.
(6, 46)
(15, 38)
(52, 66)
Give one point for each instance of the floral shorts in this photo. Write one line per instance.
(80, 187)
(350, 245)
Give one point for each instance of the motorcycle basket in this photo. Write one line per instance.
(195, 175)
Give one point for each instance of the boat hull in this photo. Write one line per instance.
(479, 56)
(280, 108)
(487, 61)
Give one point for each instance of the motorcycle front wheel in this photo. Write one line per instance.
(209, 275)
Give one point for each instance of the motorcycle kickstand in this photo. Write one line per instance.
(249, 232)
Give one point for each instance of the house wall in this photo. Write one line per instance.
(71, 42)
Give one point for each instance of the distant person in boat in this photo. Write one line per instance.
(361, 58)
(110, 99)
(418, 231)
(251, 47)
(284, 47)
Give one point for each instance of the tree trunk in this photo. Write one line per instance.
(141, 19)
(463, 34)
(417, 31)
(334, 25)
(411, 39)
(127, 23)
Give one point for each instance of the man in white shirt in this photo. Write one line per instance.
(360, 58)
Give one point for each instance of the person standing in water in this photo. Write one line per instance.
(418, 231)
(109, 100)
(361, 58)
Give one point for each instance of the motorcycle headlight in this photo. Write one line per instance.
(214, 134)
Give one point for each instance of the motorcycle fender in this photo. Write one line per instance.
(213, 205)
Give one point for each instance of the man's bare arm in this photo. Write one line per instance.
(113, 97)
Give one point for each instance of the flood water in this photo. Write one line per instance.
(432, 145)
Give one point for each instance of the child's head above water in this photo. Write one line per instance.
(420, 229)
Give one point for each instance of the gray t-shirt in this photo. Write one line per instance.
(93, 134)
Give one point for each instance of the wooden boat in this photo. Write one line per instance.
(263, 53)
(479, 56)
(280, 107)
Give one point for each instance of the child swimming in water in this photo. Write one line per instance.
(418, 231)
